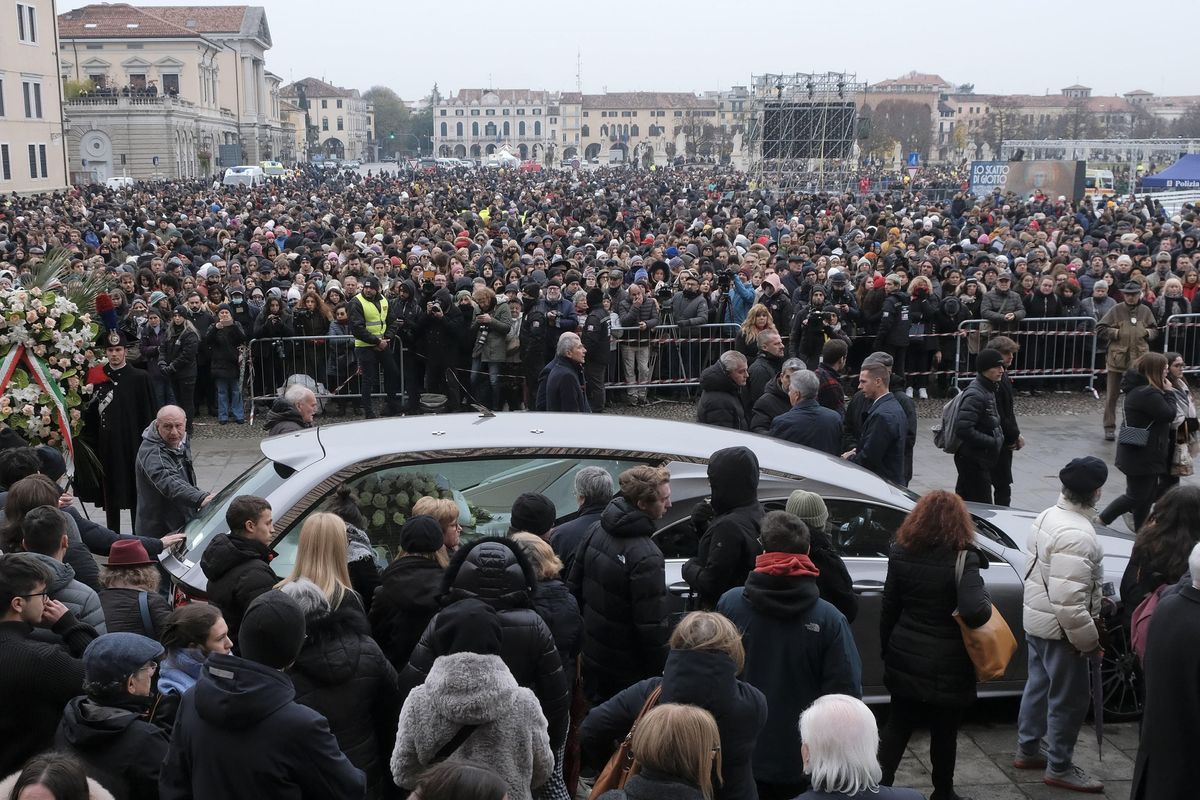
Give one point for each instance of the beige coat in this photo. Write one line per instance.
(1064, 576)
(1128, 336)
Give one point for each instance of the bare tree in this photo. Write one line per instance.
(900, 121)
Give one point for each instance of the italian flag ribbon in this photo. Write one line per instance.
(39, 371)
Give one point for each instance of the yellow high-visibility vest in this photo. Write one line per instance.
(376, 317)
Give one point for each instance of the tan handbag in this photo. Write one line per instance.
(623, 764)
(990, 646)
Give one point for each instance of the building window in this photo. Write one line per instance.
(1, 97)
(504, 112)
(37, 161)
(633, 130)
(474, 112)
(26, 24)
(137, 80)
(537, 112)
(603, 131)
(98, 79)
(491, 112)
(554, 120)
(520, 112)
(324, 123)
(170, 84)
(537, 128)
(585, 131)
(442, 113)
(445, 129)
(474, 128)
(340, 125)
(489, 130)
(521, 128)
(324, 104)
(31, 92)
(458, 129)
(339, 103)
(5, 163)
(506, 129)
(585, 113)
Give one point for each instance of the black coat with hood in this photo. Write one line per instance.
(702, 678)
(119, 748)
(773, 402)
(619, 580)
(720, 400)
(730, 545)
(409, 313)
(238, 570)
(978, 427)
(240, 733)
(1146, 407)
(342, 674)
(559, 609)
(284, 418)
(496, 571)
(404, 603)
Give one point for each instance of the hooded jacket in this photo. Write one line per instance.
(120, 750)
(284, 418)
(763, 372)
(80, 599)
(472, 689)
(978, 425)
(497, 572)
(240, 733)
(773, 402)
(167, 495)
(720, 399)
(702, 678)
(403, 605)
(729, 546)
(798, 648)
(223, 346)
(238, 570)
(619, 580)
(342, 673)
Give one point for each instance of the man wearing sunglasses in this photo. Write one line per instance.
(36, 678)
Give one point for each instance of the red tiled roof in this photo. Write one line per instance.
(208, 19)
(314, 87)
(119, 21)
(647, 100)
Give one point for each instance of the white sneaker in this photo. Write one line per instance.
(923, 394)
(909, 391)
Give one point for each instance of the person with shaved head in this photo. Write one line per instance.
(167, 495)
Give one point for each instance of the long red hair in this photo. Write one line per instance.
(939, 519)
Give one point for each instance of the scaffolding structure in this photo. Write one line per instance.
(1122, 155)
(802, 131)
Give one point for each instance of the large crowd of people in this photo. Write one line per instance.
(517, 667)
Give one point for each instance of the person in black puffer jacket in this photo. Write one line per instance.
(729, 546)
(894, 325)
(978, 430)
(553, 602)
(237, 565)
(701, 677)
(342, 673)
(619, 580)
(408, 597)
(925, 663)
(1149, 405)
(774, 400)
(495, 571)
(721, 388)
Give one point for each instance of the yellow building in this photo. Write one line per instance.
(344, 123)
(32, 155)
(644, 127)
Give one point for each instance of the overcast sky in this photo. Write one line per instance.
(670, 45)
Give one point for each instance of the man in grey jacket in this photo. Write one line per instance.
(44, 536)
(166, 481)
(1002, 307)
(1062, 602)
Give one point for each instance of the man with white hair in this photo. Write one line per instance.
(840, 740)
(808, 423)
(1171, 719)
(722, 385)
(561, 386)
(292, 411)
(167, 495)
(593, 490)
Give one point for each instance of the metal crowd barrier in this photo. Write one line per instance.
(329, 360)
(1052, 349)
(1181, 334)
(666, 355)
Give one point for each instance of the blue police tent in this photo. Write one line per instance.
(1183, 174)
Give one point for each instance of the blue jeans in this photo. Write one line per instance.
(493, 370)
(1055, 701)
(229, 398)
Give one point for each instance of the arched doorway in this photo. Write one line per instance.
(538, 151)
(444, 151)
(475, 151)
(334, 148)
(570, 152)
(460, 151)
(491, 148)
(523, 151)
(592, 151)
(618, 153)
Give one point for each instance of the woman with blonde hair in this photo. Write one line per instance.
(446, 512)
(702, 669)
(321, 558)
(678, 749)
(758, 320)
(553, 602)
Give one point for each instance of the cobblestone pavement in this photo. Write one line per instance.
(1056, 427)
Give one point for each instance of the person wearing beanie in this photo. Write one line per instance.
(977, 428)
(834, 580)
(798, 647)
(1062, 602)
(470, 707)
(408, 596)
(224, 341)
(110, 726)
(596, 334)
(534, 513)
(239, 731)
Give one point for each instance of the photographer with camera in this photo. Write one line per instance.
(373, 322)
(410, 317)
(737, 294)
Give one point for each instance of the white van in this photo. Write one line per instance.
(119, 182)
(244, 176)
